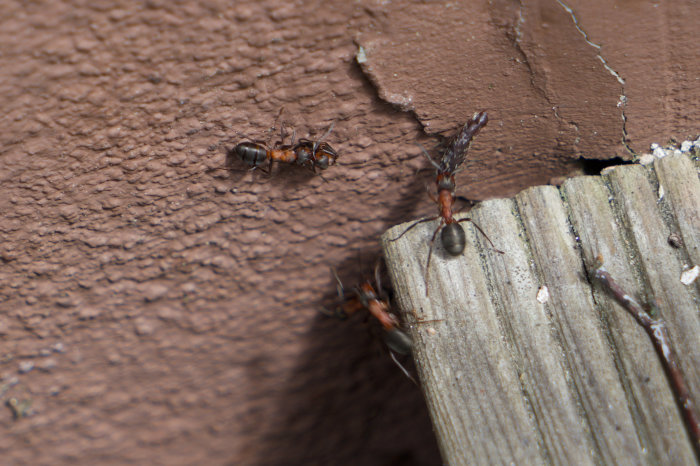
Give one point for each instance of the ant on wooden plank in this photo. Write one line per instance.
(375, 302)
(453, 237)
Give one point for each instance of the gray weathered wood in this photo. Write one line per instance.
(573, 380)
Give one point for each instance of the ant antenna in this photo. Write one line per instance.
(403, 369)
(328, 131)
(427, 156)
(338, 313)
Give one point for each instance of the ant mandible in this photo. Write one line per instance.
(452, 236)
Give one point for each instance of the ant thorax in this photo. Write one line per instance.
(304, 151)
(365, 293)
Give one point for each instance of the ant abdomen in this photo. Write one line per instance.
(252, 153)
(398, 341)
(453, 238)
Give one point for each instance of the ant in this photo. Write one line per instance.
(305, 152)
(452, 236)
(377, 304)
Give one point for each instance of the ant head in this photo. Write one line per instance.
(324, 156)
(317, 144)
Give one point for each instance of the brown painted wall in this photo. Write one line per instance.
(156, 308)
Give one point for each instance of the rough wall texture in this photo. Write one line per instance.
(157, 308)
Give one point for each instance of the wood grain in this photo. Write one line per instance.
(571, 379)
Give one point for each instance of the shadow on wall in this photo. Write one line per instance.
(347, 403)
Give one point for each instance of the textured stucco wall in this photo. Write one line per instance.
(156, 308)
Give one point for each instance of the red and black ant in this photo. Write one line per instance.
(452, 236)
(307, 153)
(367, 298)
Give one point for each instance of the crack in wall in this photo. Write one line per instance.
(519, 47)
(541, 89)
(622, 102)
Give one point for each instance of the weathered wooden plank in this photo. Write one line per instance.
(573, 379)
(661, 266)
(650, 400)
(534, 347)
(587, 355)
(472, 389)
(679, 178)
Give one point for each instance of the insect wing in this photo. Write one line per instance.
(457, 152)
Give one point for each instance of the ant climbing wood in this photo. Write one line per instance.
(375, 302)
(452, 237)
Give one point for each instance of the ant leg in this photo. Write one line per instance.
(335, 314)
(417, 320)
(430, 254)
(467, 202)
(431, 195)
(281, 134)
(403, 369)
(325, 180)
(339, 312)
(339, 287)
(409, 228)
(274, 126)
(377, 279)
(279, 115)
(482, 232)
